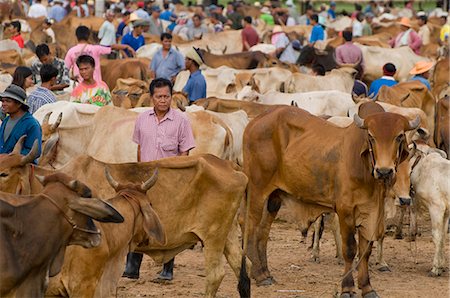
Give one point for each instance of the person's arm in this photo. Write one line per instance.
(244, 41)
(101, 32)
(152, 73)
(64, 80)
(139, 153)
(123, 47)
(136, 138)
(416, 41)
(186, 140)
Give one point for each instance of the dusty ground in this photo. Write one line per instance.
(298, 276)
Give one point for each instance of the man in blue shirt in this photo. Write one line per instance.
(421, 72)
(18, 123)
(331, 12)
(167, 62)
(57, 11)
(196, 84)
(317, 32)
(386, 80)
(134, 38)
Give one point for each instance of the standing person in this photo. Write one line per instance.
(135, 39)
(291, 53)
(198, 29)
(279, 40)
(357, 25)
(159, 132)
(57, 11)
(18, 123)
(154, 21)
(16, 29)
(167, 62)
(45, 57)
(37, 10)
(317, 32)
(81, 8)
(234, 17)
(47, 29)
(42, 94)
(348, 53)
(408, 37)
(266, 16)
(95, 51)
(424, 30)
(196, 84)
(332, 11)
(445, 29)
(90, 90)
(367, 27)
(387, 79)
(124, 23)
(23, 77)
(421, 72)
(249, 35)
(107, 31)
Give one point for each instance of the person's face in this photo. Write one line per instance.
(443, 21)
(162, 99)
(28, 82)
(166, 44)
(187, 62)
(10, 106)
(86, 71)
(369, 20)
(420, 22)
(47, 59)
(156, 14)
(138, 30)
(197, 22)
(426, 75)
(110, 17)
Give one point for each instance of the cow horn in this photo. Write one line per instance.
(180, 106)
(32, 155)
(150, 182)
(413, 124)
(114, 184)
(40, 178)
(359, 121)
(18, 147)
(57, 123)
(46, 118)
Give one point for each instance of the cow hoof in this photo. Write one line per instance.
(266, 282)
(315, 260)
(435, 272)
(384, 269)
(398, 236)
(348, 295)
(371, 294)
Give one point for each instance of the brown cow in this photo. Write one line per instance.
(291, 153)
(112, 70)
(442, 128)
(32, 246)
(244, 60)
(11, 57)
(441, 77)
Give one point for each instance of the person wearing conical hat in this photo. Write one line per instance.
(408, 37)
(196, 84)
(421, 72)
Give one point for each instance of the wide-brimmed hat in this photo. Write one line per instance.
(15, 92)
(265, 9)
(141, 22)
(405, 22)
(421, 67)
(277, 29)
(193, 54)
(133, 17)
(257, 4)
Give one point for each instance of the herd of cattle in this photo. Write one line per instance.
(267, 135)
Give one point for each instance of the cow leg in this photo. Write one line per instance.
(438, 226)
(365, 249)
(399, 226)
(317, 235)
(383, 266)
(347, 226)
(214, 267)
(337, 236)
(133, 265)
(233, 250)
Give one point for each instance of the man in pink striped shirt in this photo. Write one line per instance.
(160, 132)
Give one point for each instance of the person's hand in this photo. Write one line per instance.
(131, 51)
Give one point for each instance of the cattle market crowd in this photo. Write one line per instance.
(337, 112)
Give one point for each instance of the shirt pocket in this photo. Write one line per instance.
(170, 145)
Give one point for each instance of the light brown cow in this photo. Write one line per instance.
(442, 128)
(441, 77)
(291, 153)
(112, 70)
(11, 57)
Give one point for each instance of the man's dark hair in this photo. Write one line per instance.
(197, 16)
(315, 18)
(166, 5)
(126, 13)
(85, 59)
(390, 68)
(48, 72)
(347, 35)
(159, 83)
(82, 33)
(166, 35)
(309, 7)
(248, 19)
(42, 50)
(360, 16)
(17, 25)
(319, 69)
(424, 19)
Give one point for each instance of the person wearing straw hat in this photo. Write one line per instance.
(408, 37)
(196, 84)
(421, 72)
(18, 123)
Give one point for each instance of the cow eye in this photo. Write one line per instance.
(3, 175)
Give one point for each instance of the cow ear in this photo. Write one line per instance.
(231, 88)
(404, 152)
(152, 224)
(97, 209)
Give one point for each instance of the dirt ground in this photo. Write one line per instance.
(298, 276)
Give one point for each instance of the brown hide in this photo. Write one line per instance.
(441, 76)
(442, 129)
(112, 70)
(11, 57)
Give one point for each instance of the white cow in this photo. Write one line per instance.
(341, 79)
(148, 50)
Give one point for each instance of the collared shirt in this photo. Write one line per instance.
(195, 86)
(357, 28)
(422, 80)
(168, 137)
(134, 42)
(383, 81)
(169, 66)
(63, 72)
(317, 33)
(40, 97)
(348, 53)
(155, 26)
(57, 12)
(289, 55)
(107, 34)
(196, 32)
(249, 35)
(95, 51)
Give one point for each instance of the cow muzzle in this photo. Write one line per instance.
(386, 174)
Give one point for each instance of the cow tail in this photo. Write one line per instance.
(244, 285)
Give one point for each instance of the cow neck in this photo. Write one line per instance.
(361, 166)
(127, 194)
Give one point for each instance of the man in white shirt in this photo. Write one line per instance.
(37, 10)
(107, 32)
(357, 25)
(424, 30)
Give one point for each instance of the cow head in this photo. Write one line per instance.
(137, 193)
(385, 146)
(14, 175)
(73, 198)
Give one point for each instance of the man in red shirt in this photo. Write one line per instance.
(16, 36)
(249, 35)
